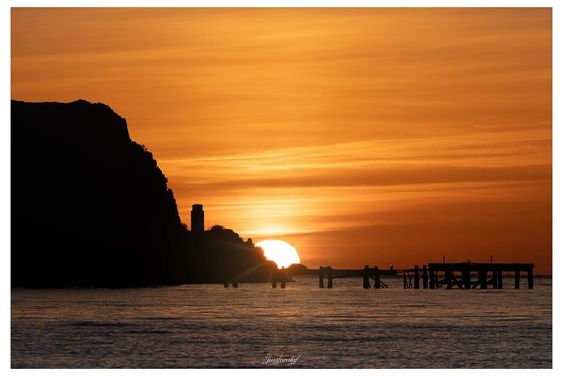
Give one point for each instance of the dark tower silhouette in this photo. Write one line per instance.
(197, 218)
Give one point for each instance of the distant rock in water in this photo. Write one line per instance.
(297, 269)
(90, 207)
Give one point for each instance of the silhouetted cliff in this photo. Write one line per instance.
(90, 207)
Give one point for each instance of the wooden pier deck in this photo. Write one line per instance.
(466, 275)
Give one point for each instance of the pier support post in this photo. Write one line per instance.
(483, 278)
(495, 279)
(499, 278)
(466, 276)
(449, 279)
(226, 284)
(425, 276)
(404, 279)
(283, 277)
(321, 277)
(530, 278)
(432, 279)
(235, 284)
(416, 278)
(517, 279)
(377, 283)
(329, 275)
(366, 277)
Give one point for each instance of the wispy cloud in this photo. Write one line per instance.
(344, 125)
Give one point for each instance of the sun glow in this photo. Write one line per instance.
(280, 252)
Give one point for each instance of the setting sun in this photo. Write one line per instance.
(280, 252)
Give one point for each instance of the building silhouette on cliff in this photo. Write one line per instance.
(198, 221)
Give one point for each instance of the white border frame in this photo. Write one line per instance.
(5, 75)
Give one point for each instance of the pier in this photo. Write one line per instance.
(366, 273)
(466, 275)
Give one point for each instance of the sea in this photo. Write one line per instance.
(301, 326)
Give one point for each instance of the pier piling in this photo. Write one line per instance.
(483, 278)
(366, 277)
(283, 277)
(449, 282)
(425, 276)
(517, 279)
(377, 280)
(466, 277)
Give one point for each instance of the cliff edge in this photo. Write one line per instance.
(91, 207)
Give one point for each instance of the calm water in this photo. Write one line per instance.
(346, 327)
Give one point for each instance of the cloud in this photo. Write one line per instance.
(316, 119)
(484, 155)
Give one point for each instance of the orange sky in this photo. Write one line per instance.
(362, 136)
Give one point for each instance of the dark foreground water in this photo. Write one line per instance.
(346, 327)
